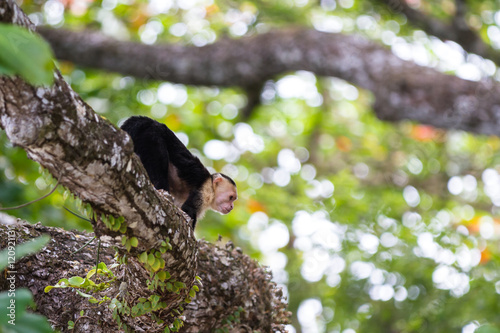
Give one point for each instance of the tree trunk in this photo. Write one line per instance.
(94, 160)
(232, 283)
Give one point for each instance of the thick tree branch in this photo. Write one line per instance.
(95, 161)
(457, 30)
(230, 280)
(89, 155)
(403, 90)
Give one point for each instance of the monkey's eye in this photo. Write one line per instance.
(231, 197)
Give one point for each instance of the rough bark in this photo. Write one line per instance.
(90, 156)
(230, 280)
(402, 89)
(95, 161)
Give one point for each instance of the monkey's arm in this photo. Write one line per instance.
(192, 205)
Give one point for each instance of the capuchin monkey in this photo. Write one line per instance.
(172, 167)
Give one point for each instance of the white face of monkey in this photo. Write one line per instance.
(225, 195)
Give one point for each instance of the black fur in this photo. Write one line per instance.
(157, 146)
(228, 178)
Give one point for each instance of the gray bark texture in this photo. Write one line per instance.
(402, 89)
(94, 160)
(231, 280)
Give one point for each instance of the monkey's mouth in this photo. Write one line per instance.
(226, 210)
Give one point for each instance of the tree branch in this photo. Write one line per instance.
(231, 280)
(95, 161)
(402, 89)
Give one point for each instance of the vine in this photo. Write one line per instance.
(230, 320)
(86, 284)
(160, 279)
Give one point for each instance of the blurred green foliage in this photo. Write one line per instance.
(25, 54)
(13, 302)
(18, 320)
(369, 226)
(22, 250)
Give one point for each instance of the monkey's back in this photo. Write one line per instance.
(158, 146)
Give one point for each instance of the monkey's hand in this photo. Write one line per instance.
(191, 211)
(188, 210)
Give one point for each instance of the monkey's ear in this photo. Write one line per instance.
(217, 178)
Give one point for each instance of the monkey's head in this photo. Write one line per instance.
(225, 193)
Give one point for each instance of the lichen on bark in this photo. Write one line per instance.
(94, 160)
(231, 282)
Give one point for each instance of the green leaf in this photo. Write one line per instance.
(147, 306)
(83, 295)
(162, 275)
(143, 257)
(32, 323)
(134, 241)
(156, 265)
(179, 284)
(154, 300)
(151, 259)
(76, 281)
(487, 329)
(17, 300)
(103, 267)
(6, 70)
(197, 278)
(26, 54)
(123, 228)
(21, 250)
(63, 283)
(91, 273)
(117, 226)
(88, 283)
